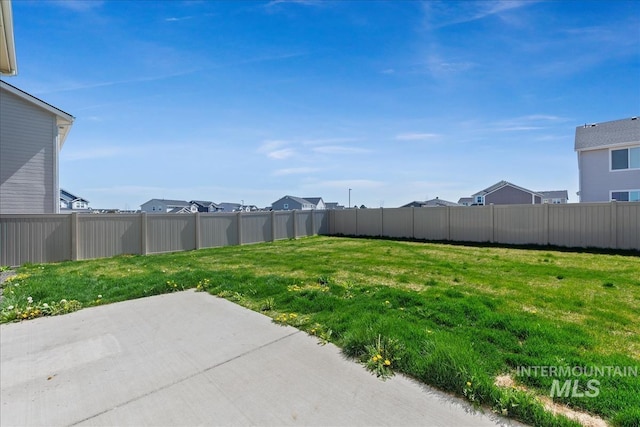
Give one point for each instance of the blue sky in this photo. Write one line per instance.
(399, 101)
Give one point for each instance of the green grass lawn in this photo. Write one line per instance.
(455, 317)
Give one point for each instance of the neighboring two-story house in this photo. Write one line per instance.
(32, 134)
(290, 203)
(72, 203)
(609, 160)
(506, 193)
(205, 206)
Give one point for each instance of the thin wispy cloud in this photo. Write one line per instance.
(440, 14)
(338, 149)
(85, 86)
(79, 5)
(176, 19)
(276, 149)
(416, 136)
(295, 171)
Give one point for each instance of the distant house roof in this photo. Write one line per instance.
(179, 209)
(203, 203)
(499, 185)
(607, 134)
(429, 203)
(332, 205)
(556, 194)
(68, 197)
(464, 200)
(63, 120)
(314, 200)
(172, 203)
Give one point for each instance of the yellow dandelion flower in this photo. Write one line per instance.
(387, 362)
(468, 383)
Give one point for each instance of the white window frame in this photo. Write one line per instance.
(622, 191)
(479, 200)
(285, 206)
(629, 168)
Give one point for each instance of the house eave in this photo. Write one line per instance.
(8, 62)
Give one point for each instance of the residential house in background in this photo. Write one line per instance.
(290, 203)
(168, 206)
(555, 197)
(506, 193)
(609, 160)
(465, 201)
(437, 202)
(333, 206)
(72, 203)
(205, 206)
(32, 134)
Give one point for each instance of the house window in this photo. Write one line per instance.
(626, 158)
(556, 201)
(286, 206)
(626, 196)
(479, 200)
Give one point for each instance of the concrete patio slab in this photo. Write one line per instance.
(190, 358)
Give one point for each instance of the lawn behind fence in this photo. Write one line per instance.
(455, 317)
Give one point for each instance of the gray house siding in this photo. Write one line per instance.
(289, 203)
(509, 196)
(596, 179)
(28, 157)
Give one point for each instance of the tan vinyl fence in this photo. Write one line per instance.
(51, 238)
(60, 237)
(590, 225)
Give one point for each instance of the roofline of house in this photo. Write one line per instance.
(607, 146)
(479, 193)
(6, 38)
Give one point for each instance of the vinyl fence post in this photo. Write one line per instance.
(313, 222)
(413, 222)
(239, 221)
(273, 226)
(144, 249)
(381, 222)
(545, 224)
(295, 225)
(493, 224)
(613, 230)
(74, 236)
(198, 231)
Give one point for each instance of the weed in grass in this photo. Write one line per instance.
(382, 356)
(268, 304)
(608, 285)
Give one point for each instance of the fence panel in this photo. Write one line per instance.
(321, 222)
(397, 223)
(431, 223)
(218, 229)
(170, 233)
(369, 222)
(284, 225)
(101, 236)
(628, 225)
(34, 238)
(304, 226)
(520, 224)
(255, 227)
(584, 225)
(345, 221)
(470, 223)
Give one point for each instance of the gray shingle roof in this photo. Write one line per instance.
(501, 184)
(314, 200)
(555, 194)
(607, 134)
